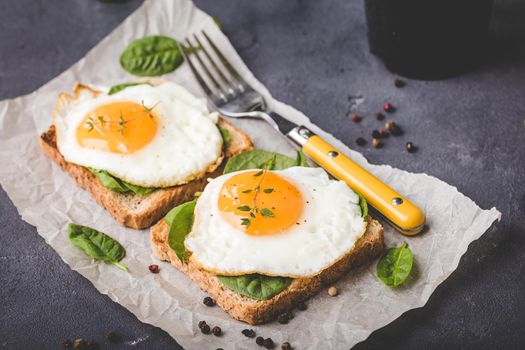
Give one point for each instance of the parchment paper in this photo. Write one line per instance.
(48, 198)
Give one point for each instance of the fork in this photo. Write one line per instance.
(233, 97)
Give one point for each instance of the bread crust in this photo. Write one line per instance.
(129, 209)
(261, 311)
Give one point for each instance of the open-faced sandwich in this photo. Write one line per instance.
(267, 234)
(140, 148)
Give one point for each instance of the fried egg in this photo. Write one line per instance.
(151, 136)
(303, 222)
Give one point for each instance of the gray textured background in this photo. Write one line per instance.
(313, 55)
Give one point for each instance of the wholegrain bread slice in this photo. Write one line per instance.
(129, 209)
(261, 311)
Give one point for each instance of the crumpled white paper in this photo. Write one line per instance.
(48, 198)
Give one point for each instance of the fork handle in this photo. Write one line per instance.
(398, 210)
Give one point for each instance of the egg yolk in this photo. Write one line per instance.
(260, 202)
(118, 127)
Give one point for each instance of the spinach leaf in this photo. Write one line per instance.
(180, 222)
(257, 159)
(119, 87)
(97, 245)
(363, 204)
(226, 137)
(117, 185)
(395, 266)
(300, 160)
(256, 286)
(151, 56)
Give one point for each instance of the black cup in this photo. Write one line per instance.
(427, 39)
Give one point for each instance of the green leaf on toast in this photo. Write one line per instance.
(97, 244)
(300, 160)
(151, 56)
(256, 286)
(395, 266)
(258, 159)
(362, 204)
(180, 222)
(117, 185)
(226, 137)
(119, 87)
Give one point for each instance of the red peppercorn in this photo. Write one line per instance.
(154, 268)
(383, 133)
(356, 118)
(216, 331)
(388, 107)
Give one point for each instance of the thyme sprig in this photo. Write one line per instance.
(253, 210)
(91, 123)
(148, 109)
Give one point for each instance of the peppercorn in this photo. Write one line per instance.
(360, 141)
(377, 143)
(379, 116)
(219, 349)
(259, 340)
(388, 107)
(375, 134)
(67, 344)
(154, 268)
(205, 329)
(286, 346)
(283, 318)
(79, 344)
(208, 301)
(356, 118)
(202, 324)
(332, 291)
(393, 128)
(216, 331)
(383, 133)
(113, 337)
(301, 306)
(250, 333)
(268, 343)
(410, 147)
(399, 83)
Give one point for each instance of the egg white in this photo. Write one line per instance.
(330, 225)
(186, 145)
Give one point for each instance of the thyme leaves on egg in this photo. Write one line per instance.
(149, 109)
(253, 210)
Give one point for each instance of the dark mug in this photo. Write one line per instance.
(427, 39)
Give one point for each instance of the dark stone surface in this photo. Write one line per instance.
(311, 54)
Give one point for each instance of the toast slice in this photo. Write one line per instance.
(129, 209)
(261, 311)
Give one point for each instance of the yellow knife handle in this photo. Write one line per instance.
(403, 214)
